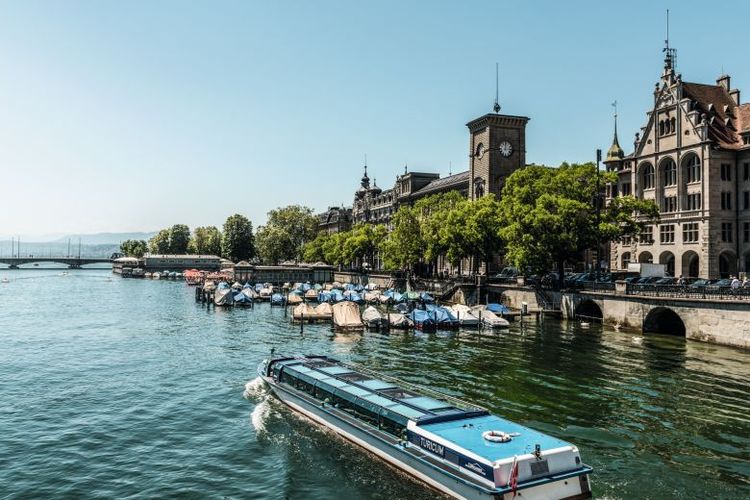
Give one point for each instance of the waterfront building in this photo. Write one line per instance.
(692, 158)
(335, 220)
(153, 262)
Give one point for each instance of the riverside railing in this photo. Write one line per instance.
(688, 292)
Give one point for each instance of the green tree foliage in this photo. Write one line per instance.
(238, 241)
(159, 243)
(134, 248)
(362, 242)
(333, 249)
(438, 233)
(404, 246)
(312, 251)
(273, 244)
(206, 240)
(549, 216)
(284, 235)
(179, 238)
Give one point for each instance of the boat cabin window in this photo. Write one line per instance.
(398, 393)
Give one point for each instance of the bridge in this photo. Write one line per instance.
(71, 262)
(718, 318)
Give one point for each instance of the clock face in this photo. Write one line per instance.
(506, 149)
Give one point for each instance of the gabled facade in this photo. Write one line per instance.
(692, 158)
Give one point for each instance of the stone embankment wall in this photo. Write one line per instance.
(382, 280)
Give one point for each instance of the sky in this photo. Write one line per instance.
(133, 116)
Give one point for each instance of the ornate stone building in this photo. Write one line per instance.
(335, 219)
(497, 147)
(693, 159)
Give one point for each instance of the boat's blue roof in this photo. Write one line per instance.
(467, 434)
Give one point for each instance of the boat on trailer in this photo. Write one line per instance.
(455, 447)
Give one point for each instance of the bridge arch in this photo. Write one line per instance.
(588, 309)
(664, 320)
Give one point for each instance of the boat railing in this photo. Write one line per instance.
(421, 390)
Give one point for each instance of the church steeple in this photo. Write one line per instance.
(615, 152)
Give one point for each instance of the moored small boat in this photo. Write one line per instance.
(346, 316)
(372, 318)
(492, 320)
(422, 320)
(277, 299)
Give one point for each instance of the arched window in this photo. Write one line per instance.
(661, 127)
(647, 176)
(669, 172)
(673, 125)
(625, 260)
(692, 168)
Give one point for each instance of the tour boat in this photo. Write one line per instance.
(455, 447)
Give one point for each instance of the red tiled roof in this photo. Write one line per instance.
(743, 117)
(723, 108)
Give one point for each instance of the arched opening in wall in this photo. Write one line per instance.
(645, 258)
(646, 176)
(690, 264)
(588, 310)
(625, 260)
(727, 264)
(664, 320)
(667, 258)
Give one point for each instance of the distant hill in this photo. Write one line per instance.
(104, 238)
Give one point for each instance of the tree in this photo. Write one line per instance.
(549, 215)
(404, 246)
(285, 233)
(441, 230)
(274, 244)
(333, 249)
(134, 248)
(159, 244)
(480, 230)
(363, 241)
(312, 251)
(179, 237)
(206, 240)
(238, 242)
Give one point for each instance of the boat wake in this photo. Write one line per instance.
(260, 415)
(255, 390)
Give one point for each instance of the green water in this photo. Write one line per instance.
(116, 388)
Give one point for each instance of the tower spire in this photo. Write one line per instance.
(615, 151)
(496, 106)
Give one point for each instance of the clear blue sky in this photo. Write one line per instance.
(120, 116)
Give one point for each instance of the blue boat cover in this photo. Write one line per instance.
(497, 308)
(426, 297)
(420, 317)
(277, 298)
(241, 298)
(223, 285)
(443, 316)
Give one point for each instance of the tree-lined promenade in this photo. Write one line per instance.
(545, 218)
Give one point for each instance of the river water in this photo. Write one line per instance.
(115, 388)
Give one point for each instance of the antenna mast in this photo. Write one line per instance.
(671, 54)
(496, 107)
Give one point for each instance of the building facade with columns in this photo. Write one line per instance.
(692, 158)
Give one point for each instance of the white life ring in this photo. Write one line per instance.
(496, 436)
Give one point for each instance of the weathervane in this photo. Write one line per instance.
(496, 106)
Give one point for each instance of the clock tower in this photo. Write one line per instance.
(497, 148)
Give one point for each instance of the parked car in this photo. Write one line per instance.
(648, 280)
(666, 281)
(722, 283)
(701, 283)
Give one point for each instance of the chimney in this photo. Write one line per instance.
(723, 81)
(735, 95)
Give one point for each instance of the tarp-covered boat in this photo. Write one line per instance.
(277, 300)
(224, 297)
(422, 320)
(492, 320)
(241, 299)
(311, 294)
(293, 299)
(303, 312)
(497, 308)
(444, 318)
(399, 321)
(346, 316)
(324, 310)
(372, 318)
(465, 315)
